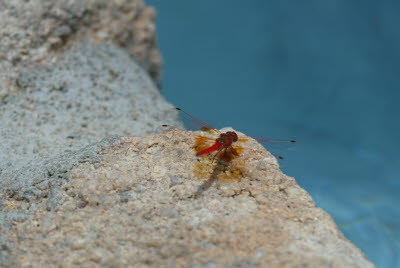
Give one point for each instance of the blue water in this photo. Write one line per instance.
(323, 72)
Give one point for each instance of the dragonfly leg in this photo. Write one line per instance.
(219, 150)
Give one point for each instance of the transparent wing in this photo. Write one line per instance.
(192, 123)
(277, 146)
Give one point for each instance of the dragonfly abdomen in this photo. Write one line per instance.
(211, 149)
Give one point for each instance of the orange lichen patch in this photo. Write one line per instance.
(203, 169)
(232, 174)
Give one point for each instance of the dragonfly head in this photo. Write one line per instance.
(233, 135)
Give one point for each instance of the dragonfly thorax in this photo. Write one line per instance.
(227, 138)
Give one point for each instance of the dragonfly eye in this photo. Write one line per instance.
(233, 134)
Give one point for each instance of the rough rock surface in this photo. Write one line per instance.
(35, 31)
(149, 202)
(91, 92)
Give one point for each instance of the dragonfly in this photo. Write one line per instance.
(225, 145)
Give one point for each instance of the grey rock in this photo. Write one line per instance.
(169, 212)
(55, 120)
(34, 181)
(175, 180)
(60, 96)
(36, 31)
(127, 196)
(91, 92)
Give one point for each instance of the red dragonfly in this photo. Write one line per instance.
(226, 145)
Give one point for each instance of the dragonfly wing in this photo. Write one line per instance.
(277, 146)
(192, 123)
(277, 143)
(202, 142)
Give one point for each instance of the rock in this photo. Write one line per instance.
(89, 93)
(36, 31)
(150, 202)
